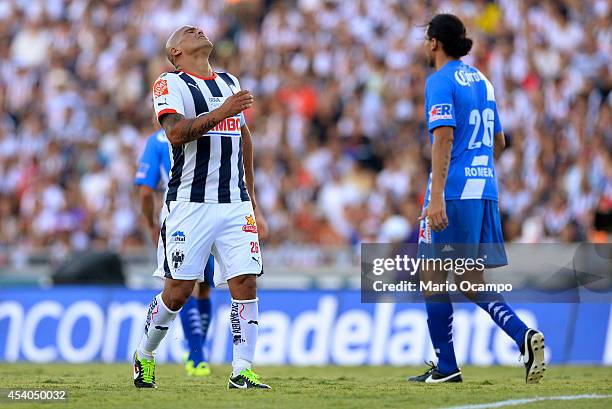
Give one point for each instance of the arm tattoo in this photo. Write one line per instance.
(169, 120)
(445, 165)
(180, 130)
(440, 161)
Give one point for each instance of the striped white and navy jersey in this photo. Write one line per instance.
(209, 169)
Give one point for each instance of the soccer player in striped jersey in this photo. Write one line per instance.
(154, 167)
(461, 212)
(210, 201)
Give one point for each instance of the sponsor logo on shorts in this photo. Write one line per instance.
(179, 236)
(177, 259)
(250, 226)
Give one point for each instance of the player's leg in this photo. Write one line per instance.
(204, 303)
(244, 322)
(237, 251)
(529, 341)
(196, 363)
(192, 329)
(438, 305)
(494, 304)
(162, 311)
(440, 324)
(186, 240)
(195, 319)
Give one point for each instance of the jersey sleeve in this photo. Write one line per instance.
(148, 173)
(439, 103)
(167, 98)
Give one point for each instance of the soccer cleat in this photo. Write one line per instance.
(246, 379)
(533, 356)
(144, 372)
(432, 375)
(201, 369)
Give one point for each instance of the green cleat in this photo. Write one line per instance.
(144, 372)
(202, 369)
(246, 379)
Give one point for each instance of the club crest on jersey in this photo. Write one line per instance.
(179, 236)
(250, 226)
(440, 111)
(160, 88)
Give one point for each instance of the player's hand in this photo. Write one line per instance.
(435, 212)
(237, 103)
(262, 225)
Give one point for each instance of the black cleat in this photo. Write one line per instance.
(533, 356)
(246, 379)
(144, 372)
(432, 375)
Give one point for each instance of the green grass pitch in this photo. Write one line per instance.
(110, 386)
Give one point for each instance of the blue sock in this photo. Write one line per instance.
(192, 327)
(205, 307)
(505, 318)
(440, 322)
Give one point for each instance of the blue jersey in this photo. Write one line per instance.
(460, 96)
(155, 161)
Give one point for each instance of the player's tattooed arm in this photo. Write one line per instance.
(440, 158)
(181, 130)
(249, 173)
(440, 163)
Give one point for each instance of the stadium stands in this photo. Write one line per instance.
(341, 149)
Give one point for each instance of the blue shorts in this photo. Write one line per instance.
(474, 231)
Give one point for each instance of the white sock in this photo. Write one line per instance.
(159, 320)
(244, 324)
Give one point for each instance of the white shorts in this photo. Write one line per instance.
(191, 231)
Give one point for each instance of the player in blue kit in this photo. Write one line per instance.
(195, 316)
(461, 213)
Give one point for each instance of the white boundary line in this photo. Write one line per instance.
(515, 402)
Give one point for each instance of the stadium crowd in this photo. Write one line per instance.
(341, 148)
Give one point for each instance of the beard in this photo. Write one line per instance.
(431, 61)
